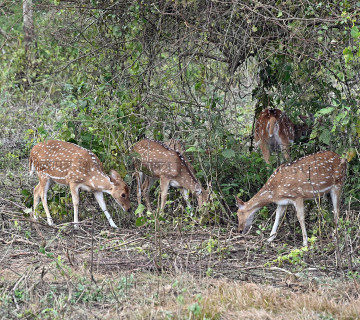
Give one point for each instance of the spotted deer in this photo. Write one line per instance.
(306, 178)
(165, 161)
(71, 165)
(145, 182)
(274, 130)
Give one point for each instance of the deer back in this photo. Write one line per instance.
(156, 159)
(306, 178)
(179, 147)
(61, 160)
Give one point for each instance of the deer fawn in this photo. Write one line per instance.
(306, 178)
(158, 160)
(274, 130)
(69, 164)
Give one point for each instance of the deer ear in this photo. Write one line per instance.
(114, 175)
(239, 203)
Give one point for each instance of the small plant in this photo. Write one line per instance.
(209, 272)
(326, 317)
(354, 275)
(124, 285)
(261, 229)
(211, 244)
(195, 310)
(295, 257)
(180, 299)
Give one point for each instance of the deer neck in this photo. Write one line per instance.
(261, 199)
(187, 180)
(99, 181)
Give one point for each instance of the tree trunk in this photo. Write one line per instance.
(29, 33)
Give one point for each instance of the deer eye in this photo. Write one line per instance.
(123, 195)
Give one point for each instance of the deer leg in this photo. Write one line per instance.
(279, 214)
(99, 196)
(164, 187)
(146, 186)
(37, 197)
(299, 205)
(45, 184)
(335, 194)
(139, 178)
(185, 193)
(75, 199)
(265, 151)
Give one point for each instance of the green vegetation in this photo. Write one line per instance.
(104, 74)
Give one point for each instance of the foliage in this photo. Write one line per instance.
(104, 74)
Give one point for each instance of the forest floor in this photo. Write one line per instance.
(56, 272)
(102, 273)
(182, 271)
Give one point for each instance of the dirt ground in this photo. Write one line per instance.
(175, 264)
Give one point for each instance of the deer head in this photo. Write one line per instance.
(274, 130)
(119, 190)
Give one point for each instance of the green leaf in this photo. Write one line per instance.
(198, 85)
(42, 131)
(355, 32)
(140, 209)
(348, 55)
(228, 153)
(339, 117)
(194, 149)
(87, 137)
(326, 110)
(325, 137)
(25, 192)
(358, 128)
(140, 221)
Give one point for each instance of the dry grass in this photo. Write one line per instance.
(223, 299)
(55, 282)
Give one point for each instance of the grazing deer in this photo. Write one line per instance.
(274, 130)
(306, 178)
(69, 164)
(145, 182)
(157, 160)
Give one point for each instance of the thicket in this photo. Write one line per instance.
(105, 74)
